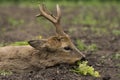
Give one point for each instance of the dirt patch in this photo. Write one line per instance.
(19, 24)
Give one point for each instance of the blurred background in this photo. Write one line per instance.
(94, 27)
(95, 22)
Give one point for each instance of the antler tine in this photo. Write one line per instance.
(55, 20)
(46, 14)
(58, 13)
(46, 10)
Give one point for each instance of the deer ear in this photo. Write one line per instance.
(37, 43)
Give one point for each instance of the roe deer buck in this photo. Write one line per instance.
(41, 53)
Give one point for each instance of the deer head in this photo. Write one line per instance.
(60, 45)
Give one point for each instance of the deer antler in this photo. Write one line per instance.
(55, 20)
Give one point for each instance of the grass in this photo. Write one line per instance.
(116, 55)
(35, 3)
(116, 32)
(99, 30)
(86, 16)
(43, 21)
(20, 43)
(14, 22)
(92, 47)
(82, 19)
(5, 73)
(83, 47)
(1, 44)
(72, 30)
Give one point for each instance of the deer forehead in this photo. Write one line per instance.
(54, 41)
(59, 40)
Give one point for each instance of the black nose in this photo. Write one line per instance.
(83, 59)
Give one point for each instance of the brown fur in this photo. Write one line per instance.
(26, 58)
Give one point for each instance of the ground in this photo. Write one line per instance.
(89, 24)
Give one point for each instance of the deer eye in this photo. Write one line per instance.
(67, 48)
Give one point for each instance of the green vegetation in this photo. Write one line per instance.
(18, 1)
(116, 32)
(92, 47)
(116, 55)
(86, 16)
(72, 30)
(99, 31)
(88, 19)
(84, 69)
(19, 43)
(83, 47)
(5, 73)
(42, 21)
(15, 22)
(51, 3)
(1, 44)
(118, 64)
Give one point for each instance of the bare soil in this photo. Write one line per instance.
(28, 27)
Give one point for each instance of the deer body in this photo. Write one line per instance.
(26, 58)
(41, 53)
(15, 58)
